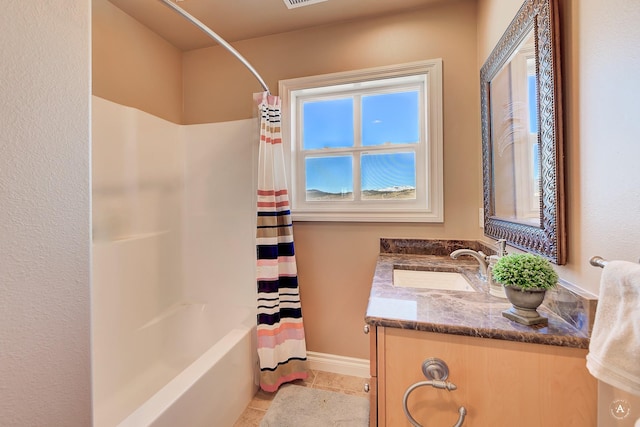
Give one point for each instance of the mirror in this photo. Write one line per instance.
(522, 134)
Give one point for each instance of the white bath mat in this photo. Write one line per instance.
(297, 406)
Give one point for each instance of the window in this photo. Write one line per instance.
(524, 134)
(366, 145)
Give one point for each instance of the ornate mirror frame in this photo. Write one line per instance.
(548, 237)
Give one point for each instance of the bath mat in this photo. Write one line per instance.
(297, 406)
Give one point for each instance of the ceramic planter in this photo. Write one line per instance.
(524, 305)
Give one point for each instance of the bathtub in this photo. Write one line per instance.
(158, 361)
(182, 383)
(213, 391)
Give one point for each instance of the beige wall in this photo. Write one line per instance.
(600, 68)
(336, 260)
(133, 66)
(216, 84)
(493, 18)
(45, 345)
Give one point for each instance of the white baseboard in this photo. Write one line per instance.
(338, 364)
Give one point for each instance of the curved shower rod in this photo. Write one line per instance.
(195, 21)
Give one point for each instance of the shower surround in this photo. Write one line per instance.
(173, 268)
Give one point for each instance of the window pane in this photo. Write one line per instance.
(390, 118)
(388, 176)
(327, 124)
(329, 178)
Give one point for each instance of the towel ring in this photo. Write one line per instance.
(436, 371)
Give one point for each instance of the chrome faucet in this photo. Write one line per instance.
(486, 263)
(479, 256)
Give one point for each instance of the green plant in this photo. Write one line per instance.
(525, 271)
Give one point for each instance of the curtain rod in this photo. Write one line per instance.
(195, 21)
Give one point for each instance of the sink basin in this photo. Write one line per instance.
(440, 280)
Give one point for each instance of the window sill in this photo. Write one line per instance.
(367, 216)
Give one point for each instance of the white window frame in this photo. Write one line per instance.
(527, 193)
(428, 205)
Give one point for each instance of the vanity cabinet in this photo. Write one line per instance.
(500, 383)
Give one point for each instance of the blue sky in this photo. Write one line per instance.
(386, 118)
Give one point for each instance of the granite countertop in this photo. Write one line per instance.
(475, 314)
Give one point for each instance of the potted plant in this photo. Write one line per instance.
(526, 278)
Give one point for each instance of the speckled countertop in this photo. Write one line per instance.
(475, 314)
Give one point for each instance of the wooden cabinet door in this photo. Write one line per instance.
(373, 371)
(500, 383)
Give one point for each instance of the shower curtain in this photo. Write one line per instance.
(281, 343)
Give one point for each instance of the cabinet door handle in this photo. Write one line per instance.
(366, 329)
(366, 387)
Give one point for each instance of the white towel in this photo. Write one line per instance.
(614, 349)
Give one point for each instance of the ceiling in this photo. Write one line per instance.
(244, 19)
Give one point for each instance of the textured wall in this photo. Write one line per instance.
(601, 69)
(45, 214)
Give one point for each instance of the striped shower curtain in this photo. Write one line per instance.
(281, 344)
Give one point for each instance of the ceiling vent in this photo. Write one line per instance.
(291, 4)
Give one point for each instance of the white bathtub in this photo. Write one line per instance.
(164, 376)
(189, 361)
(212, 391)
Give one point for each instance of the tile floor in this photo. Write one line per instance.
(345, 384)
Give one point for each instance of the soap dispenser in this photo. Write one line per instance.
(496, 289)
